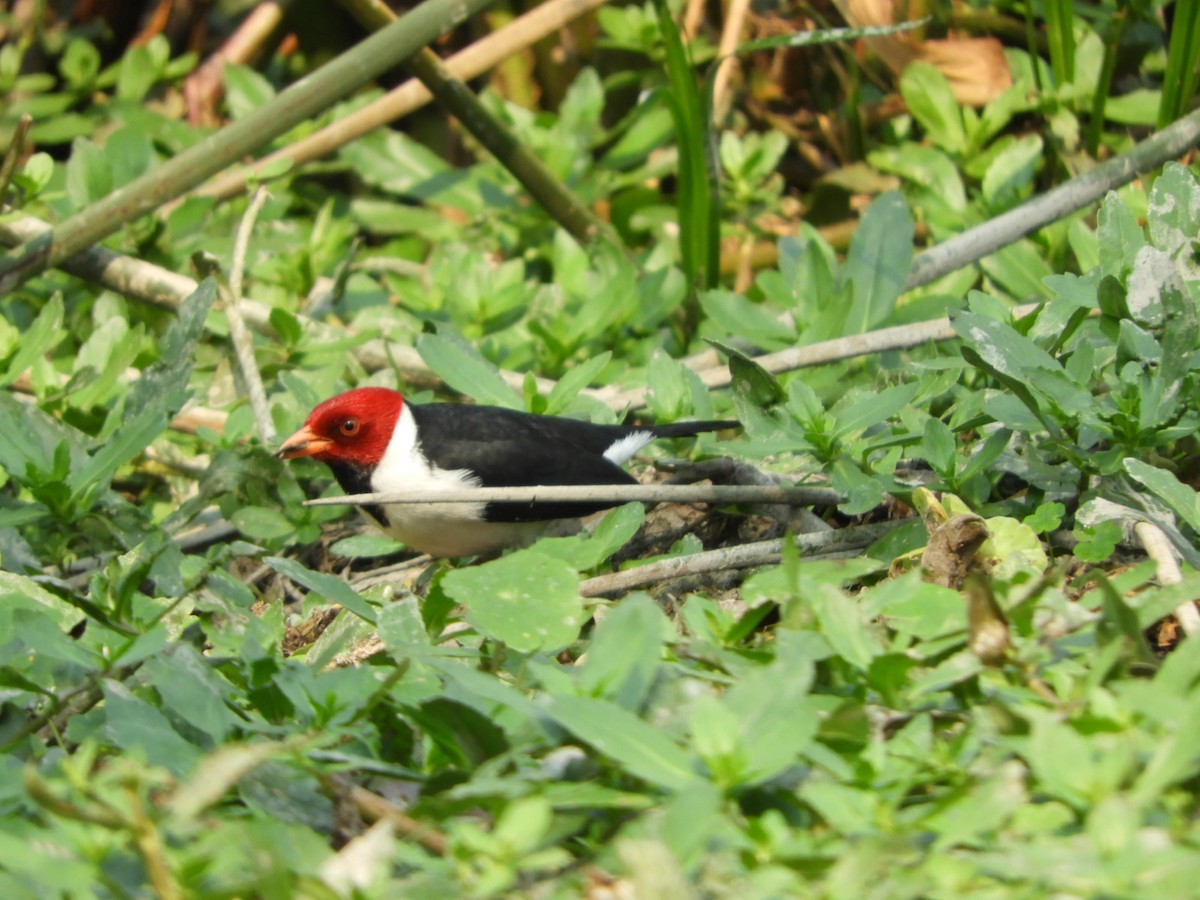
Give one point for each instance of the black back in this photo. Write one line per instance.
(505, 447)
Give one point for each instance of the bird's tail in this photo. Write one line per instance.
(687, 429)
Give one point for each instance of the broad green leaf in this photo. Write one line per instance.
(261, 523)
(364, 546)
(136, 727)
(928, 96)
(938, 446)
(46, 332)
(89, 173)
(328, 586)
(1183, 500)
(645, 751)
(844, 627)
(878, 261)
(574, 381)
(527, 600)
(1174, 214)
(1011, 173)
(245, 90)
(466, 371)
(737, 317)
(625, 654)
(1119, 234)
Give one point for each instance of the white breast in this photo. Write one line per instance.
(439, 529)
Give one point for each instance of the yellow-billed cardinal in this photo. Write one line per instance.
(375, 441)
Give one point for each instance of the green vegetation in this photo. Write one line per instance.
(964, 673)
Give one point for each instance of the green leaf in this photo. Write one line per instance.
(261, 523)
(573, 381)
(928, 96)
(328, 586)
(1174, 212)
(45, 332)
(625, 654)
(1011, 172)
(739, 318)
(466, 371)
(89, 174)
(645, 751)
(879, 260)
(527, 600)
(80, 63)
(141, 67)
(136, 727)
(844, 627)
(1120, 236)
(938, 446)
(365, 546)
(1183, 500)
(245, 90)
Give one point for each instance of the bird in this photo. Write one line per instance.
(374, 440)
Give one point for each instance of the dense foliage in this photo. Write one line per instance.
(208, 688)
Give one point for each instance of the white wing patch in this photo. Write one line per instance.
(623, 450)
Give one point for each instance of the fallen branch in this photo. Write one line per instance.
(614, 493)
(743, 556)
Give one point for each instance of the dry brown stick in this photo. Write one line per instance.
(743, 556)
(373, 808)
(204, 86)
(615, 493)
(731, 36)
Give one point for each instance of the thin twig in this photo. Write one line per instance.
(373, 807)
(742, 556)
(243, 343)
(205, 86)
(614, 493)
(731, 35)
(1158, 547)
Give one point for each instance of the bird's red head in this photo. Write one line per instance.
(354, 427)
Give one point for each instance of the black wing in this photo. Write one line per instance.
(506, 447)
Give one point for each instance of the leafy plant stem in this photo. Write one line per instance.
(698, 236)
(1061, 36)
(1112, 46)
(1183, 60)
(338, 78)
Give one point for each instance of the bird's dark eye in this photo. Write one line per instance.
(349, 427)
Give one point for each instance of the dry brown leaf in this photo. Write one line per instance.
(975, 67)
